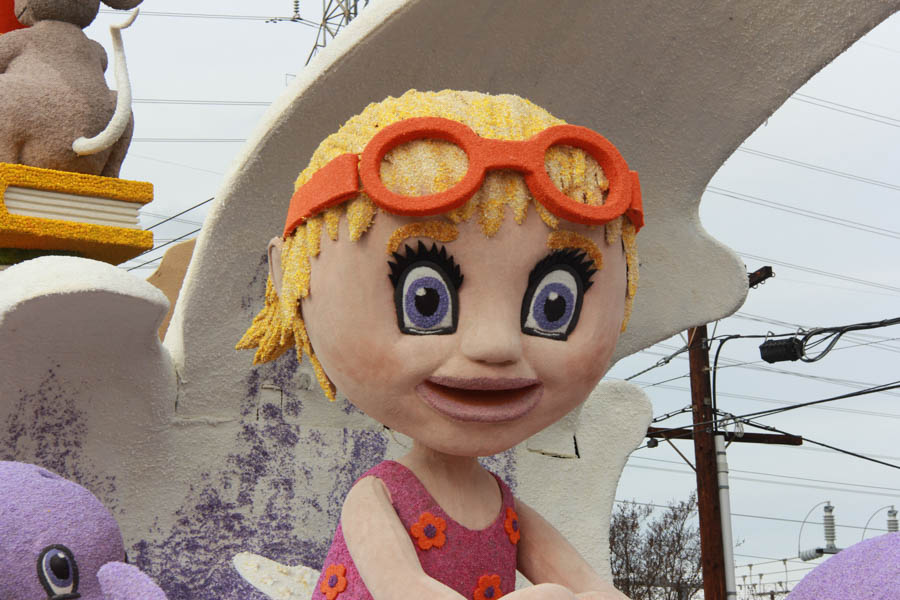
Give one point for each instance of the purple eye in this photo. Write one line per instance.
(58, 572)
(556, 286)
(425, 282)
(427, 302)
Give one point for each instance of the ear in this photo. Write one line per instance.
(122, 4)
(275, 273)
(10, 21)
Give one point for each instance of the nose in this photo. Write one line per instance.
(490, 335)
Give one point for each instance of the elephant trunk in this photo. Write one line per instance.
(119, 122)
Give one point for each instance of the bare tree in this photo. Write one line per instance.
(656, 553)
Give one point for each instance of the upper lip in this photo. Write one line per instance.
(483, 383)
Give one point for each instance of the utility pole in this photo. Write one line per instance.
(711, 549)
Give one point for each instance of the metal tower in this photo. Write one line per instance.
(335, 15)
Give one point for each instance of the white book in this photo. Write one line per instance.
(70, 207)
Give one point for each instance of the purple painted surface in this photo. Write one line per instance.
(64, 530)
(257, 502)
(46, 427)
(869, 570)
(504, 465)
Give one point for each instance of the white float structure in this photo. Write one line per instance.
(201, 456)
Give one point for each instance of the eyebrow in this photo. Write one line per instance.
(561, 240)
(440, 231)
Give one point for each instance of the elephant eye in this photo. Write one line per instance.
(58, 572)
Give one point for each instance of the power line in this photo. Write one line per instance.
(187, 210)
(791, 477)
(749, 516)
(661, 362)
(745, 417)
(837, 287)
(730, 362)
(162, 246)
(754, 366)
(879, 339)
(847, 110)
(210, 16)
(879, 46)
(824, 445)
(820, 272)
(200, 102)
(818, 168)
(781, 483)
(190, 140)
(804, 213)
(826, 451)
(177, 164)
(167, 217)
(768, 558)
(868, 413)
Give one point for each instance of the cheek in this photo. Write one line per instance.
(352, 324)
(582, 360)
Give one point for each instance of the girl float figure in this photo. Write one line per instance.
(476, 268)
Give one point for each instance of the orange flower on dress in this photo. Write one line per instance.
(429, 531)
(511, 525)
(334, 582)
(488, 588)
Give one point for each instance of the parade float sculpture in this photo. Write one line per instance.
(74, 542)
(869, 570)
(63, 137)
(205, 457)
(408, 201)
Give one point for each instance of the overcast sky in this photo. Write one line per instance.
(833, 149)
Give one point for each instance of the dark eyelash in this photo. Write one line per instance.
(577, 259)
(434, 255)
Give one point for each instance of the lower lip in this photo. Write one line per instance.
(480, 406)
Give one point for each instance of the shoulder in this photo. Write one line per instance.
(367, 489)
(376, 484)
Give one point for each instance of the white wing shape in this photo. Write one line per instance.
(274, 579)
(86, 385)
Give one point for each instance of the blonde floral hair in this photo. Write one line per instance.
(422, 167)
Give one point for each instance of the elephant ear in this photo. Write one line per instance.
(121, 581)
(122, 4)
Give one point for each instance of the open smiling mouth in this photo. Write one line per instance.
(481, 399)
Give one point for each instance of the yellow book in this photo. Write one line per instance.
(43, 211)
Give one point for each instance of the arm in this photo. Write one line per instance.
(545, 556)
(381, 548)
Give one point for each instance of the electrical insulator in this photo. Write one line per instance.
(892, 520)
(811, 554)
(829, 527)
(773, 351)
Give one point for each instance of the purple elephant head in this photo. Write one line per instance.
(59, 542)
(869, 570)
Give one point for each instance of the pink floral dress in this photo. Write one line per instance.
(480, 565)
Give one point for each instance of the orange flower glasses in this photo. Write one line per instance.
(340, 179)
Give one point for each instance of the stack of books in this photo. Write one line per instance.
(43, 211)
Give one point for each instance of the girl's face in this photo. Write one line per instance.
(502, 373)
